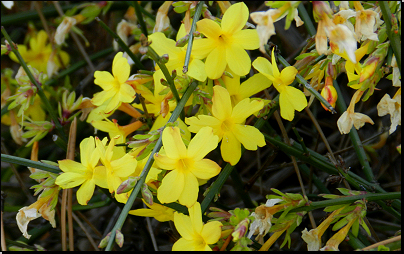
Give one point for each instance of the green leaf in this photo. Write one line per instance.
(355, 228)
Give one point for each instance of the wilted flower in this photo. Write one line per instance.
(391, 106)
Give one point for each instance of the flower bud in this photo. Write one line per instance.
(119, 238)
(146, 194)
(329, 93)
(320, 10)
(240, 229)
(183, 41)
(105, 241)
(164, 58)
(127, 185)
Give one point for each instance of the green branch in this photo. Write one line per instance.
(30, 163)
(197, 14)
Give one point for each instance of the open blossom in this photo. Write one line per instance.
(391, 106)
(194, 234)
(87, 173)
(290, 98)
(225, 44)
(228, 123)
(115, 89)
(186, 165)
(349, 117)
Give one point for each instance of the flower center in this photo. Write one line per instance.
(227, 125)
(184, 164)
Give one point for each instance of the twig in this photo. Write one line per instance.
(70, 155)
(149, 226)
(391, 240)
(89, 237)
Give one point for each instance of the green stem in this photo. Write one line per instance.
(41, 94)
(197, 14)
(356, 142)
(393, 34)
(348, 200)
(118, 39)
(150, 161)
(308, 86)
(139, 17)
(30, 163)
(306, 19)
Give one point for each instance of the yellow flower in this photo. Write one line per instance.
(290, 98)
(116, 90)
(39, 53)
(117, 169)
(391, 106)
(186, 165)
(196, 236)
(349, 117)
(226, 44)
(228, 123)
(329, 93)
(157, 211)
(86, 173)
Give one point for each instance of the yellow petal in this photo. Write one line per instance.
(209, 28)
(221, 108)
(67, 165)
(205, 169)
(216, 63)
(162, 45)
(275, 70)
(87, 147)
(238, 59)
(112, 104)
(104, 79)
(183, 225)
(171, 187)
(249, 136)
(235, 18)
(165, 162)
(184, 245)
(124, 166)
(247, 39)
(85, 192)
(195, 215)
(202, 47)
(263, 66)
(211, 232)
(254, 85)
(196, 123)
(173, 144)
(230, 148)
(69, 180)
(291, 99)
(203, 142)
(189, 194)
(100, 177)
(126, 93)
(197, 70)
(288, 75)
(245, 108)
